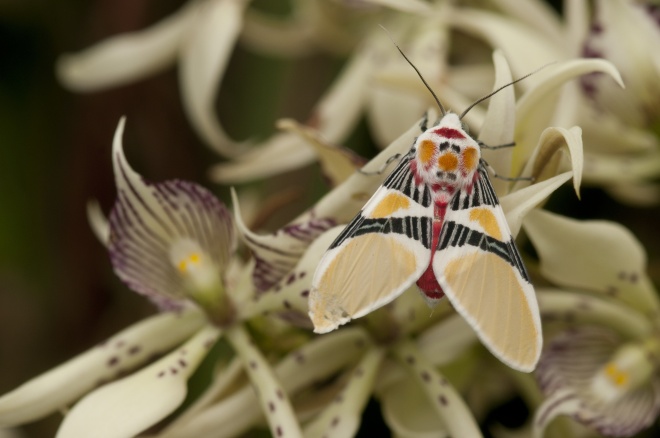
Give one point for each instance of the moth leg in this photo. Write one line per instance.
(382, 168)
(505, 178)
(501, 146)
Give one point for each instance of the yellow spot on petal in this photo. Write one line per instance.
(426, 151)
(470, 159)
(487, 221)
(616, 375)
(182, 266)
(194, 258)
(447, 162)
(389, 204)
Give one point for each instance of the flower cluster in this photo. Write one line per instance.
(237, 297)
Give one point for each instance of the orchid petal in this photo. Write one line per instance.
(638, 194)
(545, 159)
(609, 259)
(334, 117)
(532, 107)
(152, 226)
(500, 120)
(337, 163)
(536, 13)
(580, 308)
(601, 168)
(517, 204)
(456, 334)
(413, 6)
(280, 153)
(130, 405)
(98, 222)
(408, 413)
(64, 384)
(566, 372)
(523, 46)
(125, 58)
(289, 298)
(204, 58)
(320, 358)
(448, 404)
(342, 417)
(278, 253)
(274, 401)
(283, 37)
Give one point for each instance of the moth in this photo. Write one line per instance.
(435, 222)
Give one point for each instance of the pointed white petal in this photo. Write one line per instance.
(128, 57)
(64, 384)
(204, 57)
(342, 417)
(536, 13)
(273, 398)
(517, 204)
(500, 120)
(152, 225)
(98, 222)
(611, 168)
(408, 413)
(456, 335)
(637, 194)
(132, 404)
(316, 361)
(609, 259)
(337, 163)
(574, 307)
(442, 396)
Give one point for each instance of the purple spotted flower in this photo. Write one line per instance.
(602, 367)
(170, 241)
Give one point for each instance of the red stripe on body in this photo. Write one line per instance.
(449, 133)
(428, 283)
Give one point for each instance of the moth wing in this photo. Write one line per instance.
(380, 253)
(480, 270)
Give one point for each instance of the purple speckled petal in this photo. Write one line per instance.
(149, 220)
(565, 373)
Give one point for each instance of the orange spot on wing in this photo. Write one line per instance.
(426, 151)
(389, 204)
(487, 221)
(470, 159)
(447, 162)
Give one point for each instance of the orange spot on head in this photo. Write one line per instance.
(470, 159)
(447, 162)
(426, 151)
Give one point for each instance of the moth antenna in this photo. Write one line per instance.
(442, 108)
(502, 88)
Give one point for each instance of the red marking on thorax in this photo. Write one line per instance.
(428, 283)
(449, 133)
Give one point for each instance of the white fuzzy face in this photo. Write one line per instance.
(446, 157)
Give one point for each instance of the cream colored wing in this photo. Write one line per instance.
(480, 270)
(381, 253)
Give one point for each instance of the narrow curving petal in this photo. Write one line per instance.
(131, 405)
(546, 159)
(204, 58)
(441, 395)
(272, 397)
(61, 386)
(337, 163)
(606, 258)
(517, 204)
(129, 57)
(316, 361)
(456, 334)
(500, 120)
(579, 308)
(342, 416)
(169, 241)
(98, 222)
